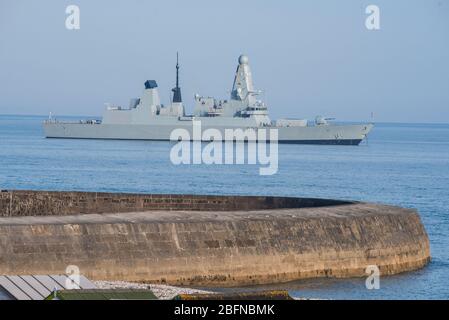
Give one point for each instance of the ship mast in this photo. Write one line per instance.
(177, 90)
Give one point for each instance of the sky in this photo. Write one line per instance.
(308, 57)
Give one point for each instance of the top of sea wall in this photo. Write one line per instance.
(40, 203)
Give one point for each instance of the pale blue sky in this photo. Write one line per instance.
(310, 57)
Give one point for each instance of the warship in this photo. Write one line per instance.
(147, 119)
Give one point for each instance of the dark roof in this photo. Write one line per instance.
(103, 294)
(150, 84)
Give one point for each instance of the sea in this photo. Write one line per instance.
(400, 164)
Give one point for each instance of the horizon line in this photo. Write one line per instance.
(363, 121)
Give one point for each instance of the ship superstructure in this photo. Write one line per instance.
(147, 119)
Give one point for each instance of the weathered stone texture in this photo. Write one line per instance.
(215, 247)
(38, 203)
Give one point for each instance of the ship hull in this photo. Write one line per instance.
(328, 135)
(342, 142)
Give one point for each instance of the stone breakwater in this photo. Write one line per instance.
(205, 240)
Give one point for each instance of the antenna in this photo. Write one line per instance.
(177, 90)
(177, 69)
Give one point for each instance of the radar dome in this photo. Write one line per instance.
(243, 59)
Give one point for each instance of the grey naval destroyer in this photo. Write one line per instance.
(147, 119)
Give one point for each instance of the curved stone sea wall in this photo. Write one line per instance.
(204, 240)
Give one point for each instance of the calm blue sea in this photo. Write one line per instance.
(402, 164)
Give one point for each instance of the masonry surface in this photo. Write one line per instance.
(204, 240)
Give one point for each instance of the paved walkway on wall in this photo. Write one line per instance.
(339, 211)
